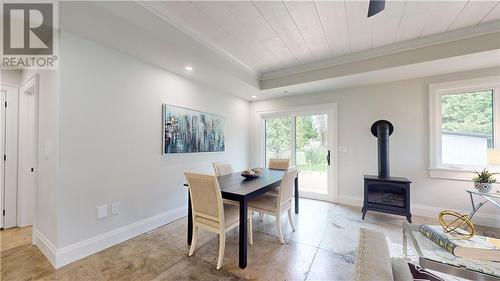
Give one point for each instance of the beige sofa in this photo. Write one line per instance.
(373, 261)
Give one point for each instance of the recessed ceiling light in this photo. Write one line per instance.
(189, 68)
(285, 92)
(253, 97)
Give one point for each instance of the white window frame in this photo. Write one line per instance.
(458, 172)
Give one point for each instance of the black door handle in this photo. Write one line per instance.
(328, 158)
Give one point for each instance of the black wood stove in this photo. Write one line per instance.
(384, 193)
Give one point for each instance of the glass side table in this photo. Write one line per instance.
(491, 197)
(431, 256)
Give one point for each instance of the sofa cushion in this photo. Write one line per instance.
(373, 261)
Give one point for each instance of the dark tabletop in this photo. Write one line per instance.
(236, 184)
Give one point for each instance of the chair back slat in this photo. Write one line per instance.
(287, 186)
(278, 163)
(206, 197)
(222, 169)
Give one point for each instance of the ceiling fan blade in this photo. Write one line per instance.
(375, 7)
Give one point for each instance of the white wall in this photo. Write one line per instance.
(10, 77)
(111, 138)
(405, 104)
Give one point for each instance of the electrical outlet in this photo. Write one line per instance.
(115, 208)
(102, 211)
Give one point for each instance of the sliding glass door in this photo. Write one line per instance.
(311, 153)
(306, 138)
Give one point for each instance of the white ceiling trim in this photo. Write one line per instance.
(213, 47)
(475, 61)
(450, 36)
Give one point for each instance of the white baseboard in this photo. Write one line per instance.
(45, 246)
(63, 256)
(429, 211)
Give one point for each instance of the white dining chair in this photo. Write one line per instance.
(277, 164)
(210, 213)
(277, 205)
(222, 168)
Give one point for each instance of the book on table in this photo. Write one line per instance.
(477, 247)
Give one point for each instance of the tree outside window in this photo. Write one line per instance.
(466, 127)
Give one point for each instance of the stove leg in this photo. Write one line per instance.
(408, 218)
(364, 213)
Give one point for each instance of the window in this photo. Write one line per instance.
(465, 123)
(466, 128)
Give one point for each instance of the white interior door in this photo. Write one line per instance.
(9, 154)
(27, 152)
(3, 95)
(308, 138)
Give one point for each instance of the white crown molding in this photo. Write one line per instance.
(230, 57)
(59, 257)
(441, 38)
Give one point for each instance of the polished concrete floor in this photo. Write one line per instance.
(322, 248)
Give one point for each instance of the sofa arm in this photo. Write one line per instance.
(373, 261)
(401, 270)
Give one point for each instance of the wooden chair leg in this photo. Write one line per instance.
(222, 247)
(278, 224)
(193, 240)
(250, 230)
(290, 218)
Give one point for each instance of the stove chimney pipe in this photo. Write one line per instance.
(382, 129)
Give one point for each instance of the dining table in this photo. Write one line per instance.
(238, 188)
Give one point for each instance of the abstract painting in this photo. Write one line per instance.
(188, 131)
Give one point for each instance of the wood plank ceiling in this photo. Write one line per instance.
(265, 36)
